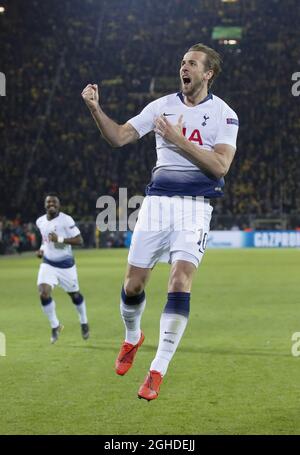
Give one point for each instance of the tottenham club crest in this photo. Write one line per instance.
(205, 119)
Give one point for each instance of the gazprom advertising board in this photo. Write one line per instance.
(254, 239)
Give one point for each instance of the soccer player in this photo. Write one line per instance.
(59, 233)
(196, 134)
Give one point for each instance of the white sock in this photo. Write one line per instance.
(50, 312)
(132, 315)
(172, 327)
(81, 309)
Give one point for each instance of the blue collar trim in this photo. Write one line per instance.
(208, 97)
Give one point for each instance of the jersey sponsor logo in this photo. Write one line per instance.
(60, 246)
(194, 137)
(232, 121)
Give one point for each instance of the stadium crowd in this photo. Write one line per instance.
(132, 49)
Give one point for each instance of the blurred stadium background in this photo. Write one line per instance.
(51, 50)
(234, 372)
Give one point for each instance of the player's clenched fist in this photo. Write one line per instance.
(53, 237)
(90, 95)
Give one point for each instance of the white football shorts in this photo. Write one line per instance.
(170, 229)
(67, 279)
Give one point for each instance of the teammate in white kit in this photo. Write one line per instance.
(59, 233)
(196, 136)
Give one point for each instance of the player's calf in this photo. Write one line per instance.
(80, 306)
(48, 307)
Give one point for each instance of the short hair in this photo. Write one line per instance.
(213, 60)
(52, 194)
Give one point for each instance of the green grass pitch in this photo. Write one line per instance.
(233, 372)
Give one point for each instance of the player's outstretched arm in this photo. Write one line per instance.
(216, 162)
(116, 135)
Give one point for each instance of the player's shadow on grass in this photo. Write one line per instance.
(234, 351)
(91, 346)
(223, 351)
(190, 350)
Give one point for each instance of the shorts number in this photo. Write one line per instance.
(202, 241)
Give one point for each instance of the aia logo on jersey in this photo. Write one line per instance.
(194, 137)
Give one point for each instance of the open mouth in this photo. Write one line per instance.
(186, 80)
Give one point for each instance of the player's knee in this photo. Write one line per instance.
(44, 291)
(45, 298)
(76, 297)
(133, 287)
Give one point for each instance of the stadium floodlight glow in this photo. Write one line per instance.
(231, 42)
(2, 9)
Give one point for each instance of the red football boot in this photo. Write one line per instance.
(150, 388)
(126, 356)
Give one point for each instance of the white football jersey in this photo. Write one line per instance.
(63, 225)
(209, 123)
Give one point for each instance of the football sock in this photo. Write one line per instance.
(131, 311)
(48, 306)
(173, 322)
(79, 303)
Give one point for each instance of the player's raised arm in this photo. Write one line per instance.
(116, 135)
